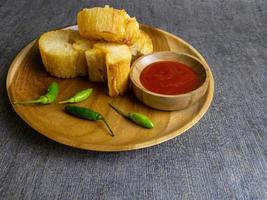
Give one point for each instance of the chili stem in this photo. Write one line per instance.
(111, 132)
(67, 101)
(119, 111)
(28, 101)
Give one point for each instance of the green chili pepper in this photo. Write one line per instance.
(79, 96)
(88, 114)
(47, 98)
(137, 118)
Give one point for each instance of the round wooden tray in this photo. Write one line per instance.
(28, 79)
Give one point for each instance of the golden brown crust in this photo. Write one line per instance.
(96, 65)
(116, 68)
(109, 24)
(142, 46)
(118, 77)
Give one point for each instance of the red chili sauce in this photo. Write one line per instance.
(170, 78)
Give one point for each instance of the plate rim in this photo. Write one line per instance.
(116, 148)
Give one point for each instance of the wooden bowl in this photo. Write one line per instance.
(168, 102)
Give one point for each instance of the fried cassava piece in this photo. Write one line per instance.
(110, 62)
(107, 42)
(109, 24)
(142, 46)
(62, 53)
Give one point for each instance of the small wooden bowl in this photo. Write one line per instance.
(168, 102)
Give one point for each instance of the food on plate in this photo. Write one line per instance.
(62, 53)
(96, 63)
(109, 24)
(49, 97)
(86, 113)
(142, 46)
(110, 62)
(106, 42)
(79, 96)
(138, 118)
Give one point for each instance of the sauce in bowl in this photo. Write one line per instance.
(169, 78)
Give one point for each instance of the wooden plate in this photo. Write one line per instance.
(28, 79)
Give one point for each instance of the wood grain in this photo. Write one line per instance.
(27, 79)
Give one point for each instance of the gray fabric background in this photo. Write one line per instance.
(222, 157)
